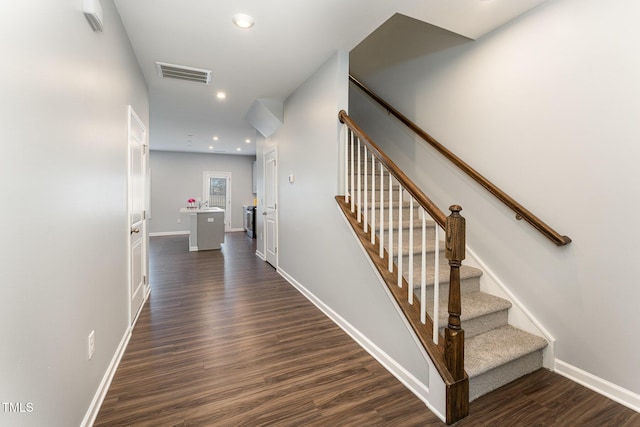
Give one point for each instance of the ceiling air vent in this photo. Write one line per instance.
(172, 71)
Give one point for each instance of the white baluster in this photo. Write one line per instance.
(400, 237)
(346, 165)
(352, 175)
(436, 286)
(411, 250)
(423, 270)
(366, 196)
(381, 210)
(373, 199)
(359, 181)
(390, 224)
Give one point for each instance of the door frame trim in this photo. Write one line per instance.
(146, 288)
(273, 150)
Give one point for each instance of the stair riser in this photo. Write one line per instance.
(417, 258)
(417, 227)
(504, 374)
(466, 286)
(477, 326)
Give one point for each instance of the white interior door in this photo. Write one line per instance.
(271, 207)
(137, 216)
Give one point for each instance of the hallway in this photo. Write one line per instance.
(225, 341)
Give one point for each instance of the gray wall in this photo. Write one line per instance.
(177, 177)
(316, 247)
(545, 107)
(63, 255)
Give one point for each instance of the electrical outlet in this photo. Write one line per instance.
(91, 344)
(179, 221)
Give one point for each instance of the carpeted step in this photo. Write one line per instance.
(469, 280)
(480, 313)
(499, 356)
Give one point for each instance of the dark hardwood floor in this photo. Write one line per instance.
(225, 341)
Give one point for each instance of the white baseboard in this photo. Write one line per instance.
(261, 255)
(614, 392)
(233, 230)
(417, 387)
(98, 398)
(168, 233)
(103, 388)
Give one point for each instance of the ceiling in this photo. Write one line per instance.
(289, 41)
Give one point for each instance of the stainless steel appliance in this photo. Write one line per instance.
(250, 220)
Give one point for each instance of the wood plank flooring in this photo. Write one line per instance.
(225, 341)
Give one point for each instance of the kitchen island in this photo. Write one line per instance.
(207, 228)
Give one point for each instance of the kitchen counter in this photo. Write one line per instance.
(207, 228)
(201, 210)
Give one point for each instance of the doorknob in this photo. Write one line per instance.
(135, 230)
(264, 213)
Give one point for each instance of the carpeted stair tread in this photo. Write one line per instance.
(498, 347)
(474, 305)
(467, 273)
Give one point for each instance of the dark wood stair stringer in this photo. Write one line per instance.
(457, 391)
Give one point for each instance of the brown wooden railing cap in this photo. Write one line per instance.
(394, 170)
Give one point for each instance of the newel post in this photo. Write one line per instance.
(453, 333)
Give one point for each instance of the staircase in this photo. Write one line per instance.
(496, 353)
(411, 238)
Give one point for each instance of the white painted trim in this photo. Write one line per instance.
(519, 315)
(274, 150)
(260, 255)
(168, 233)
(98, 398)
(417, 387)
(608, 389)
(103, 388)
(234, 230)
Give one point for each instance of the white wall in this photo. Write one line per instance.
(316, 247)
(177, 177)
(63, 252)
(545, 107)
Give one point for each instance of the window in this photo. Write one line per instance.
(217, 193)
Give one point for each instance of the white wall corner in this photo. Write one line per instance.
(266, 115)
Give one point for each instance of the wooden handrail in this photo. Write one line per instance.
(521, 211)
(394, 170)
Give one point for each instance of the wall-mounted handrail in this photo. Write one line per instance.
(521, 211)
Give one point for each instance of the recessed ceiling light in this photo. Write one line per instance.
(238, 149)
(215, 138)
(243, 21)
(221, 95)
(211, 147)
(248, 141)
